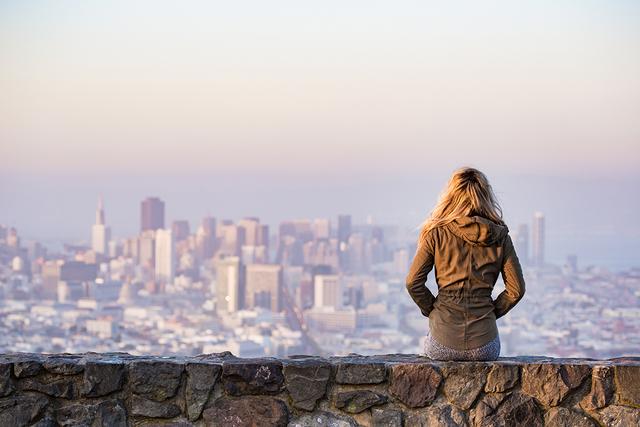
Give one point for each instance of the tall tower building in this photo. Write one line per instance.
(165, 256)
(321, 228)
(251, 226)
(151, 214)
(327, 291)
(229, 285)
(538, 239)
(522, 244)
(100, 232)
(181, 230)
(264, 287)
(344, 232)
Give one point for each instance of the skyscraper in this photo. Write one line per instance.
(151, 214)
(251, 228)
(264, 286)
(327, 291)
(229, 285)
(522, 244)
(344, 232)
(180, 230)
(164, 256)
(538, 239)
(344, 228)
(100, 233)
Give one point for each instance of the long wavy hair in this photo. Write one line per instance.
(467, 193)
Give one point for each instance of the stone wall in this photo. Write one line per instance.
(117, 389)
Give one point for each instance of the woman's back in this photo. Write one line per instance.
(467, 241)
(468, 258)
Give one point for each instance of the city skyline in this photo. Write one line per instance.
(310, 285)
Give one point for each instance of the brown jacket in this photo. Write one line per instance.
(468, 254)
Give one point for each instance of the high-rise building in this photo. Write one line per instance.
(146, 248)
(344, 228)
(165, 257)
(344, 232)
(180, 229)
(251, 226)
(100, 232)
(522, 244)
(321, 228)
(151, 214)
(264, 287)
(231, 238)
(229, 285)
(327, 291)
(538, 239)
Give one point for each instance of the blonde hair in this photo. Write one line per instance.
(467, 193)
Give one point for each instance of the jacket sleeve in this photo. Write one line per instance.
(417, 277)
(513, 280)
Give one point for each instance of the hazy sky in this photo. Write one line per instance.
(375, 100)
(292, 85)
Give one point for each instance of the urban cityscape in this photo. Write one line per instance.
(314, 286)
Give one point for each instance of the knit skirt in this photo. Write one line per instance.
(436, 351)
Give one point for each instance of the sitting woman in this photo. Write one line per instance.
(467, 241)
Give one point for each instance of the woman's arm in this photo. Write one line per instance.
(415, 281)
(513, 280)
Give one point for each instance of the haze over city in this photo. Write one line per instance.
(189, 177)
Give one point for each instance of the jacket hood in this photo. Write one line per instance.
(478, 230)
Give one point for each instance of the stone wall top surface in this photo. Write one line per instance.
(221, 358)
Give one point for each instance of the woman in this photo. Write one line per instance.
(467, 241)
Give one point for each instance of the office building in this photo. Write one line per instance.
(100, 232)
(264, 287)
(164, 256)
(229, 285)
(151, 214)
(180, 229)
(327, 291)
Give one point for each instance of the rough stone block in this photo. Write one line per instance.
(601, 389)
(502, 378)
(151, 408)
(201, 378)
(415, 385)
(102, 378)
(464, 382)
(516, 410)
(107, 413)
(254, 376)
(27, 368)
(63, 388)
(551, 383)
(486, 406)
(249, 411)
(383, 417)
(628, 385)
(619, 416)
(563, 417)
(22, 409)
(155, 379)
(360, 372)
(64, 365)
(440, 415)
(6, 383)
(323, 419)
(356, 401)
(306, 381)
